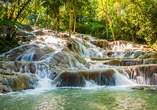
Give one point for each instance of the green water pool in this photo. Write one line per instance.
(99, 98)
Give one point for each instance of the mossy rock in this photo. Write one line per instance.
(17, 82)
(145, 88)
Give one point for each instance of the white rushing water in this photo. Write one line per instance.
(81, 47)
(122, 80)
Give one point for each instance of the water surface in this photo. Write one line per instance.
(98, 98)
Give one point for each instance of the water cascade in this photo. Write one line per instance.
(55, 60)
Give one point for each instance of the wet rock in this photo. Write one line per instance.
(85, 73)
(42, 39)
(65, 36)
(95, 75)
(22, 66)
(39, 32)
(68, 60)
(77, 78)
(27, 27)
(78, 35)
(71, 78)
(148, 55)
(100, 59)
(102, 76)
(62, 35)
(25, 36)
(101, 43)
(138, 53)
(33, 54)
(17, 82)
(107, 77)
(153, 79)
(143, 74)
(150, 61)
(86, 39)
(113, 62)
(145, 88)
(5, 72)
(4, 89)
(14, 53)
(131, 62)
(32, 67)
(7, 65)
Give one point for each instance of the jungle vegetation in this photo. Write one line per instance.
(133, 20)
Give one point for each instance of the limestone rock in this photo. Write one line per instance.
(16, 82)
(149, 55)
(113, 62)
(78, 35)
(86, 39)
(68, 60)
(14, 53)
(39, 32)
(101, 43)
(76, 78)
(27, 27)
(71, 78)
(33, 54)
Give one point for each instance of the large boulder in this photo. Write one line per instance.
(101, 43)
(113, 62)
(143, 74)
(39, 32)
(76, 78)
(71, 78)
(68, 60)
(15, 81)
(15, 52)
(148, 55)
(33, 54)
(27, 27)
(86, 38)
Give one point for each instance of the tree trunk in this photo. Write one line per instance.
(74, 23)
(110, 23)
(37, 19)
(70, 21)
(24, 6)
(6, 11)
(47, 18)
(58, 24)
(154, 5)
(107, 29)
(26, 14)
(55, 24)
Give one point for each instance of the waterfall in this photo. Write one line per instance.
(122, 80)
(68, 54)
(88, 50)
(27, 56)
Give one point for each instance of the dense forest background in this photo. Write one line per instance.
(133, 20)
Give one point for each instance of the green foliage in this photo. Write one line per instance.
(6, 45)
(134, 20)
(13, 24)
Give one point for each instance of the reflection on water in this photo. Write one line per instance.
(80, 99)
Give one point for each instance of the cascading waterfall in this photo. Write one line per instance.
(88, 50)
(57, 53)
(27, 56)
(123, 50)
(70, 73)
